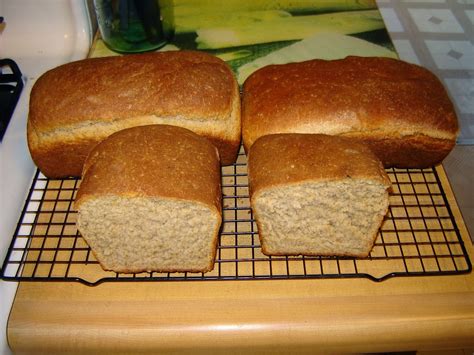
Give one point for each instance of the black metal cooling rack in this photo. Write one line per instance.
(419, 237)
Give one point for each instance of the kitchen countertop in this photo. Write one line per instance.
(329, 315)
(312, 316)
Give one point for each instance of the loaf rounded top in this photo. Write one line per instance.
(364, 96)
(153, 161)
(189, 84)
(285, 159)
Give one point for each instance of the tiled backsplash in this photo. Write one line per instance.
(439, 35)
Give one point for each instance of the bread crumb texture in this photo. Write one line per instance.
(328, 218)
(149, 234)
(316, 194)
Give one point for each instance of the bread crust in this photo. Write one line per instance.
(76, 105)
(401, 110)
(153, 161)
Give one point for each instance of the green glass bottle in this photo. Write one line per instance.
(130, 26)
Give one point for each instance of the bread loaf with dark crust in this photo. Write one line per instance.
(76, 105)
(150, 200)
(400, 110)
(315, 194)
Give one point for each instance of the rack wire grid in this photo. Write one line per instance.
(418, 237)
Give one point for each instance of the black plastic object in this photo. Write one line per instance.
(11, 85)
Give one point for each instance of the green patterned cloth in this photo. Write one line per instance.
(320, 44)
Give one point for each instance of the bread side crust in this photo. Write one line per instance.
(63, 152)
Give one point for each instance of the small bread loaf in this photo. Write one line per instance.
(76, 105)
(150, 200)
(400, 110)
(316, 195)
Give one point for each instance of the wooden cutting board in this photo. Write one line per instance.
(357, 315)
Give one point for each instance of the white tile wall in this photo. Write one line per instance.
(424, 1)
(452, 54)
(463, 93)
(392, 22)
(405, 51)
(470, 15)
(432, 20)
(440, 36)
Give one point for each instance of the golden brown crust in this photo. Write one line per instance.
(285, 159)
(76, 105)
(61, 160)
(415, 151)
(133, 85)
(376, 99)
(153, 161)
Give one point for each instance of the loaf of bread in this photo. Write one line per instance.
(400, 110)
(150, 200)
(316, 195)
(76, 105)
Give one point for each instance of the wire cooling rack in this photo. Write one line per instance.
(419, 237)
